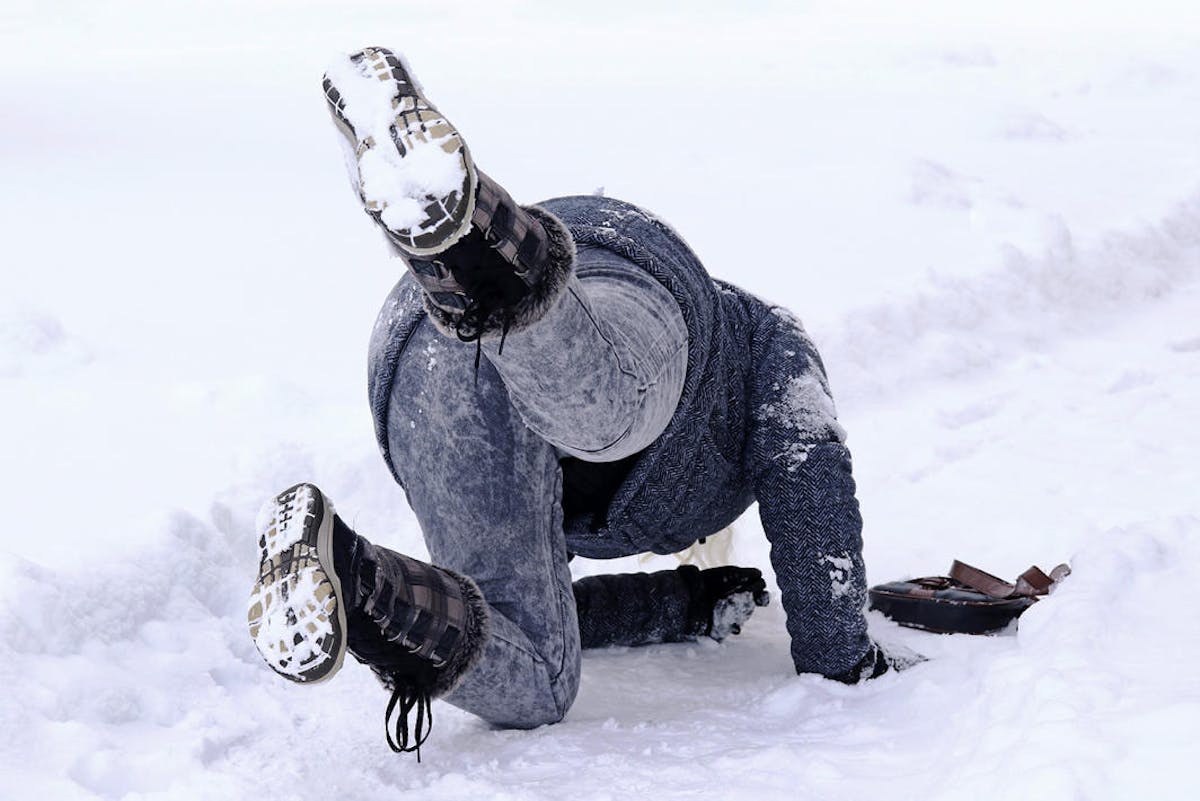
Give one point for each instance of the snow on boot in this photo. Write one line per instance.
(487, 265)
(414, 172)
(297, 619)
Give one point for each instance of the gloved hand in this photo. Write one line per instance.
(876, 661)
(727, 598)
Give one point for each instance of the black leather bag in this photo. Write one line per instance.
(968, 601)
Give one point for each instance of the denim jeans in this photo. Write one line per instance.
(597, 378)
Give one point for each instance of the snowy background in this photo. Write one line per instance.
(989, 221)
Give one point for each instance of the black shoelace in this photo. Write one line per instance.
(408, 698)
(470, 325)
(492, 286)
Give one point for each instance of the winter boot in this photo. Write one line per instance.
(487, 265)
(323, 590)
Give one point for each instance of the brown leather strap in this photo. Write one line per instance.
(1031, 584)
(977, 579)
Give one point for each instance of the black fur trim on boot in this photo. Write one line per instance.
(556, 270)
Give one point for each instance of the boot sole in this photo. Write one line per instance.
(296, 619)
(413, 134)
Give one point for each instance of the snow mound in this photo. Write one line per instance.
(37, 343)
(957, 327)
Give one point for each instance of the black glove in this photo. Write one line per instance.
(725, 599)
(876, 662)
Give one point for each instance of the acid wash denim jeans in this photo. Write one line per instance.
(722, 398)
(597, 378)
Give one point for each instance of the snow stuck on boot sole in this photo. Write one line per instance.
(295, 618)
(410, 166)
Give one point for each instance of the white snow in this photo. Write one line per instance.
(276, 629)
(400, 186)
(730, 614)
(988, 219)
(431, 351)
(805, 407)
(839, 574)
(281, 531)
(288, 603)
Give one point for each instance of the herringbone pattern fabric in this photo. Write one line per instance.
(806, 494)
(812, 520)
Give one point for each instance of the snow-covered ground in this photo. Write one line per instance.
(989, 220)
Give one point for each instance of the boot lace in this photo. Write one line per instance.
(407, 699)
(492, 286)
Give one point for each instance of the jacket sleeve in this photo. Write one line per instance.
(805, 492)
(639, 608)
